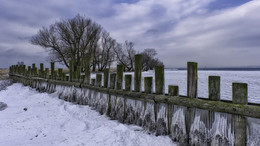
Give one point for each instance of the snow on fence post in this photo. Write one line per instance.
(148, 84)
(214, 88)
(112, 81)
(173, 90)
(41, 69)
(93, 82)
(138, 73)
(239, 93)
(87, 71)
(159, 79)
(192, 79)
(119, 82)
(128, 82)
(72, 70)
(98, 80)
(106, 75)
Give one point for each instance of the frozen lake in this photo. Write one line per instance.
(252, 78)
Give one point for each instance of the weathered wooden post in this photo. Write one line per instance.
(93, 82)
(239, 130)
(46, 72)
(192, 79)
(138, 72)
(239, 96)
(87, 71)
(60, 71)
(78, 73)
(33, 69)
(55, 75)
(82, 77)
(128, 82)
(52, 69)
(173, 90)
(106, 75)
(24, 69)
(159, 79)
(120, 71)
(112, 81)
(29, 71)
(214, 88)
(41, 69)
(72, 70)
(148, 84)
(239, 93)
(98, 80)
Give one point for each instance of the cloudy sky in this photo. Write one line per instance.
(214, 33)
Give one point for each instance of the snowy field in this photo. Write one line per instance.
(42, 119)
(252, 78)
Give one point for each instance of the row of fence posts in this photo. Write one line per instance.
(239, 90)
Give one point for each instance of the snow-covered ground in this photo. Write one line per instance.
(34, 118)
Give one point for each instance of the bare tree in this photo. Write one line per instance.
(104, 55)
(149, 60)
(68, 39)
(125, 55)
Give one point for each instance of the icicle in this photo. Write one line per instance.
(221, 131)
(253, 131)
(130, 111)
(178, 127)
(162, 121)
(149, 117)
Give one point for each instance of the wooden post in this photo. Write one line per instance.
(239, 93)
(159, 79)
(214, 88)
(148, 84)
(106, 75)
(52, 69)
(192, 79)
(33, 69)
(78, 73)
(173, 90)
(138, 72)
(60, 74)
(41, 70)
(112, 81)
(71, 70)
(46, 73)
(239, 123)
(87, 71)
(128, 82)
(120, 70)
(93, 82)
(98, 80)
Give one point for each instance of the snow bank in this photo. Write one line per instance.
(51, 121)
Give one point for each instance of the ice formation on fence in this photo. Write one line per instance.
(196, 126)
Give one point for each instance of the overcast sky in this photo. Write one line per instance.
(214, 33)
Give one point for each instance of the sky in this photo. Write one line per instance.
(214, 33)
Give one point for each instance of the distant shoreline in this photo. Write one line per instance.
(218, 69)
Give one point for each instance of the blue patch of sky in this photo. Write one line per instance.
(222, 4)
